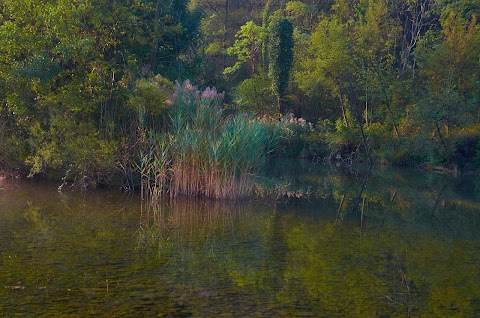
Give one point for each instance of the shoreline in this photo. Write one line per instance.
(6, 174)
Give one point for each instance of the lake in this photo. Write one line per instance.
(316, 241)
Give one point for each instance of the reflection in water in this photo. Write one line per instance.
(320, 243)
(171, 227)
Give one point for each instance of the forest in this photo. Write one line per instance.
(186, 96)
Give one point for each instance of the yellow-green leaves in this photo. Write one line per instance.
(247, 47)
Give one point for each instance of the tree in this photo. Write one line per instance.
(246, 47)
(255, 95)
(450, 70)
(222, 20)
(67, 68)
(280, 56)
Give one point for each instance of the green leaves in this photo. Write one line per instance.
(255, 95)
(78, 60)
(150, 98)
(280, 55)
(249, 40)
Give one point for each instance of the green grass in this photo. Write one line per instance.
(203, 153)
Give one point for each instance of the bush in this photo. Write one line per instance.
(466, 151)
(295, 137)
(150, 99)
(344, 142)
(13, 150)
(255, 96)
(72, 151)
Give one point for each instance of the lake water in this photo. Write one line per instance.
(318, 241)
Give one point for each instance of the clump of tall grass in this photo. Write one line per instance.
(154, 165)
(204, 153)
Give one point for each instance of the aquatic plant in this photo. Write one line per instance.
(204, 153)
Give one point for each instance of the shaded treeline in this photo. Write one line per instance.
(82, 82)
(383, 81)
(72, 76)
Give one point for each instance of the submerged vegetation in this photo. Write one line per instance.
(87, 93)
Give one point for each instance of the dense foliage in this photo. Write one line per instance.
(68, 78)
(395, 82)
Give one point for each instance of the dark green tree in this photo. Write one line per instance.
(280, 56)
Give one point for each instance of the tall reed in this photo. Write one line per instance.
(205, 153)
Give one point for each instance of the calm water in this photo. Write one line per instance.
(320, 242)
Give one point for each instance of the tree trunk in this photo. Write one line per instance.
(440, 136)
(366, 106)
(156, 35)
(344, 114)
(359, 117)
(224, 36)
(279, 104)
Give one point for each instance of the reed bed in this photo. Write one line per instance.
(204, 153)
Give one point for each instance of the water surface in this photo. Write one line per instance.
(317, 242)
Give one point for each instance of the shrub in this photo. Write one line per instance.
(255, 95)
(12, 149)
(465, 148)
(344, 142)
(150, 99)
(295, 134)
(71, 150)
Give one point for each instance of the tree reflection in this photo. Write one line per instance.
(393, 245)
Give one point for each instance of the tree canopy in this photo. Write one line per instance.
(395, 81)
